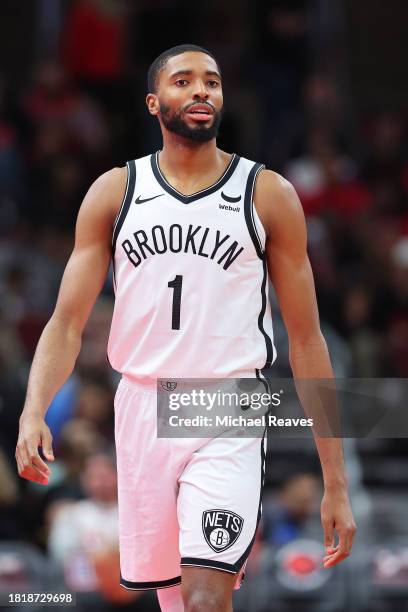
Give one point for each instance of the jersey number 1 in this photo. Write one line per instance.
(176, 284)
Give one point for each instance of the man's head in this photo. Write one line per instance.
(185, 92)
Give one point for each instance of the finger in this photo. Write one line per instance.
(24, 463)
(19, 466)
(46, 444)
(36, 476)
(328, 527)
(331, 552)
(35, 459)
(331, 549)
(32, 474)
(21, 453)
(350, 537)
(38, 464)
(334, 559)
(342, 552)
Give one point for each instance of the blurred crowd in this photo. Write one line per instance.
(76, 108)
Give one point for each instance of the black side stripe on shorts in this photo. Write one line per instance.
(245, 555)
(127, 200)
(248, 208)
(146, 586)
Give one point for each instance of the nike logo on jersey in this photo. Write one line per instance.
(140, 201)
(230, 198)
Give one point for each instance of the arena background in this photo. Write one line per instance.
(316, 90)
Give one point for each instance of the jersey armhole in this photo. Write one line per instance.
(127, 200)
(254, 224)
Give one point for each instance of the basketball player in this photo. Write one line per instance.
(193, 232)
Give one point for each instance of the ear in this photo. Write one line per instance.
(152, 104)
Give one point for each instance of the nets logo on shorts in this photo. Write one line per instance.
(221, 528)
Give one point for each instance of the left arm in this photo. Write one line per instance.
(281, 213)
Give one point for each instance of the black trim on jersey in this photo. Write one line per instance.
(263, 380)
(248, 208)
(187, 199)
(232, 568)
(127, 200)
(245, 555)
(147, 586)
(268, 341)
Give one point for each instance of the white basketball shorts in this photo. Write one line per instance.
(182, 501)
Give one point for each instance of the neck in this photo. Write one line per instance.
(181, 158)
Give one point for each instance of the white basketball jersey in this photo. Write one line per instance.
(190, 278)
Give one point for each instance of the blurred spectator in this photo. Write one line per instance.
(386, 135)
(396, 353)
(285, 518)
(54, 101)
(10, 518)
(94, 44)
(363, 340)
(325, 179)
(78, 440)
(11, 162)
(323, 105)
(83, 535)
(59, 184)
(95, 339)
(62, 407)
(94, 40)
(283, 63)
(95, 403)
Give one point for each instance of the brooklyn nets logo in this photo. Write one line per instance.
(168, 385)
(221, 528)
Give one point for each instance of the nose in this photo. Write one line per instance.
(200, 90)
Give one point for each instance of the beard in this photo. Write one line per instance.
(174, 122)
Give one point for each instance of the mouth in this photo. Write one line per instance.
(200, 112)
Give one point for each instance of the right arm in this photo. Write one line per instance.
(60, 342)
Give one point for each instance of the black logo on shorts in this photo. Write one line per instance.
(221, 528)
(168, 385)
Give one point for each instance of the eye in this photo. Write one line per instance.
(213, 83)
(181, 82)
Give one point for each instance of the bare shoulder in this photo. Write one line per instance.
(113, 179)
(276, 201)
(105, 195)
(110, 186)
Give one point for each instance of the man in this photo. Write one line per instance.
(194, 231)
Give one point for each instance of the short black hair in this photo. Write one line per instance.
(159, 63)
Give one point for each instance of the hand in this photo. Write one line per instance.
(34, 432)
(336, 515)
